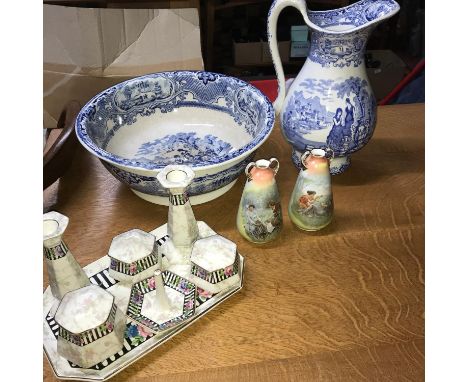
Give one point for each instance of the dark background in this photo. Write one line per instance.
(404, 33)
(226, 22)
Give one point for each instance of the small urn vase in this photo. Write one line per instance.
(311, 203)
(259, 217)
(65, 274)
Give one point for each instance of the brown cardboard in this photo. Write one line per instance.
(247, 53)
(391, 71)
(86, 50)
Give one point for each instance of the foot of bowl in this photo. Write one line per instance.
(194, 200)
(339, 165)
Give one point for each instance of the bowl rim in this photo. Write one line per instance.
(133, 164)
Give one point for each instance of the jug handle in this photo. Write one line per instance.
(276, 7)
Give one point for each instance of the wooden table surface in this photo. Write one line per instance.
(345, 303)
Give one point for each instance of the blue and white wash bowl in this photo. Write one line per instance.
(208, 121)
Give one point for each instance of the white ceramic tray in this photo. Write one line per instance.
(138, 340)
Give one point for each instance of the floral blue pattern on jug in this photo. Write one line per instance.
(352, 123)
(330, 103)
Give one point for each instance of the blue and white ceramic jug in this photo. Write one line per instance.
(330, 103)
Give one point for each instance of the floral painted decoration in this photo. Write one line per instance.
(137, 334)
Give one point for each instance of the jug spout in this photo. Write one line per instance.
(354, 17)
(339, 37)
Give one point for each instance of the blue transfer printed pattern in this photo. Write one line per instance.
(355, 15)
(122, 104)
(183, 148)
(346, 48)
(350, 125)
(341, 168)
(338, 50)
(200, 185)
(206, 77)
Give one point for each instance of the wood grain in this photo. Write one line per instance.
(345, 303)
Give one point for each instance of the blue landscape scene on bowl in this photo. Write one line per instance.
(121, 104)
(189, 148)
(200, 185)
(163, 93)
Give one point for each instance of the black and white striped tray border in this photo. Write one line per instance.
(105, 281)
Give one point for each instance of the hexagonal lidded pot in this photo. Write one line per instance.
(134, 256)
(91, 326)
(215, 263)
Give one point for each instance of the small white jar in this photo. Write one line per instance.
(91, 327)
(134, 256)
(214, 263)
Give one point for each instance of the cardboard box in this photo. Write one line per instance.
(389, 70)
(299, 33)
(299, 49)
(87, 50)
(247, 53)
(283, 48)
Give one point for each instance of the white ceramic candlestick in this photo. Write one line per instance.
(161, 295)
(210, 261)
(181, 224)
(65, 274)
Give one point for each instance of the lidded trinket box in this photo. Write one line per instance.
(134, 256)
(91, 327)
(215, 263)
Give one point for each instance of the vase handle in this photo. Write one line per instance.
(248, 168)
(276, 7)
(276, 168)
(304, 157)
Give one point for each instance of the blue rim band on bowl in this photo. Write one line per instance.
(208, 87)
